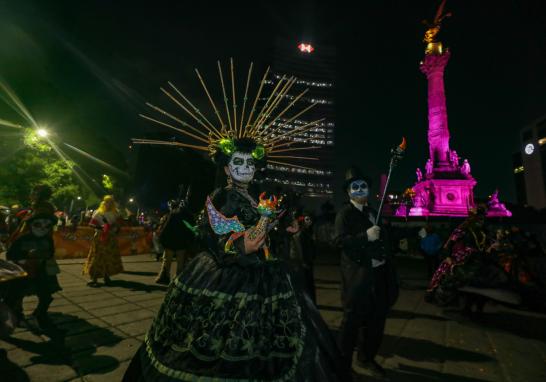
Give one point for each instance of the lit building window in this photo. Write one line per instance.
(300, 81)
(320, 101)
(301, 64)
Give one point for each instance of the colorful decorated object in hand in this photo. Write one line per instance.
(268, 206)
(222, 225)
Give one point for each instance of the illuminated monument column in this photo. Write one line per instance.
(447, 188)
(438, 134)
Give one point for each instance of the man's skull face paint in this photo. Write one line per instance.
(358, 189)
(41, 227)
(242, 167)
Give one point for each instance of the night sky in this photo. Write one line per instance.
(86, 68)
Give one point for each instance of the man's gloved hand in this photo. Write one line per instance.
(373, 233)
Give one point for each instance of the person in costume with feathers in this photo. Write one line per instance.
(234, 314)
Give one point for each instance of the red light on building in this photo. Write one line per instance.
(306, 48)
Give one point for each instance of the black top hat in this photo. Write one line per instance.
(354, 173)
(43, 210)
(52, 218)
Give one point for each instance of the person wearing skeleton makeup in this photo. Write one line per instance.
(39, 200)
(218, 321)
(34, 251)
(234, 312)
(368, 285)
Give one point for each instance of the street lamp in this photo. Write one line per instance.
(42, 133)
(79, 198)
(131, 200)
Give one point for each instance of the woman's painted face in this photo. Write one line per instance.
(241, 167)
(41, 227)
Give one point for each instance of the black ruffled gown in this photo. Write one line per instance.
(235, 317)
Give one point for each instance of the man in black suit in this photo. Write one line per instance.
(369, 285)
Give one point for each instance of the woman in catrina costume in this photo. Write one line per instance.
(234, 314)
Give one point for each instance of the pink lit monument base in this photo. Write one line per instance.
(443, 197)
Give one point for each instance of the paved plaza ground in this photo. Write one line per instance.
(102, 328)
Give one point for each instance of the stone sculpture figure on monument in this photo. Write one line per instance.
(454, 158)
(428, 168)
(425, 197)
(417, 201)
(420, 202)
(494, 198)
(465, 169)
(419, 175)
(495, 208)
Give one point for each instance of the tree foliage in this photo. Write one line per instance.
(107, 183)
(37, 163)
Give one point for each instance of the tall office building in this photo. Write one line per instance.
(530, 164)
(314, 67)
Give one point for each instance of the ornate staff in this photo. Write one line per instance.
(397, 154)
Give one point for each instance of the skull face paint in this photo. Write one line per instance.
(358, 189)
(242, 167)
(40, 227)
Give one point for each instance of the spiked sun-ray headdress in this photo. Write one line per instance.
(267, 124)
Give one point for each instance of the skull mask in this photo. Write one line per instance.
(241, 167)
(176, 205)
(358, 189)
(40, 227)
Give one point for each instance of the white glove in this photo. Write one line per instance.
(373, 233)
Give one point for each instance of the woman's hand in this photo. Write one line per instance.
(294, 227)
(253, 245)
